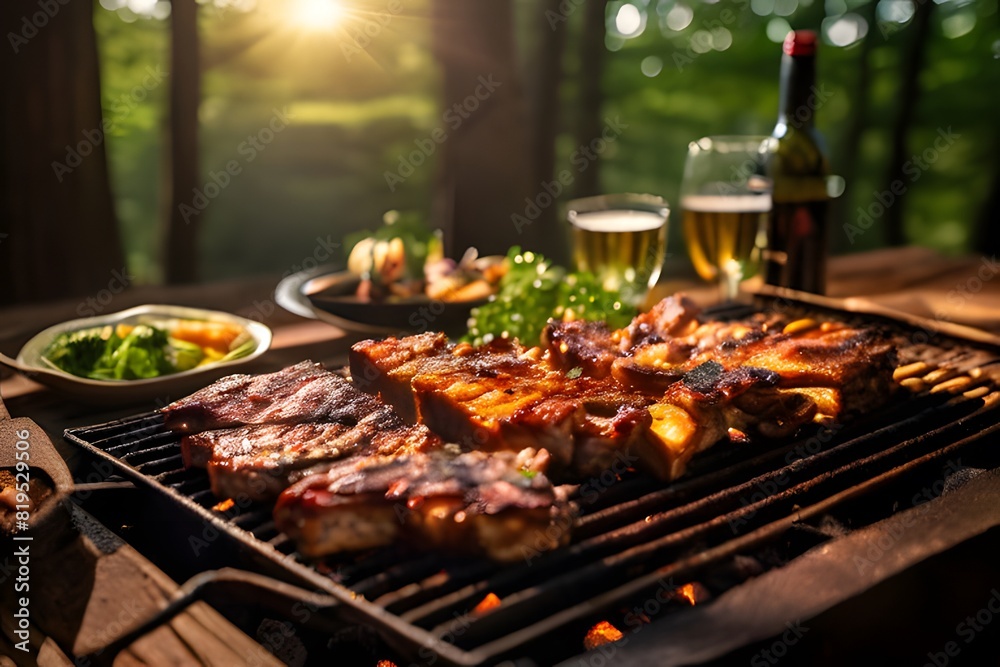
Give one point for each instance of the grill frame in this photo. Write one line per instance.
(401, 631)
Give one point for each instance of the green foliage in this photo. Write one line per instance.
(356, 114)
(533, 291)
(135, 88)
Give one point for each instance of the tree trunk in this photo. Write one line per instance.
(590, 123)
(846, 163)
(483, 187)
(181, 260)
(546, 68)
(58, 231)
(914, 52)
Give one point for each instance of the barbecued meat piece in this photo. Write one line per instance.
(299, 393)
(325, 418)
(493, 400)
(672, 317)
(471, 503)
(589, 346)
(259, 461)
(385, 367)
(498, 397)
(856, 363)
(683, 387)
(696, 412)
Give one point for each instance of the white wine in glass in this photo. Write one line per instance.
(725, 202)
(621, 239)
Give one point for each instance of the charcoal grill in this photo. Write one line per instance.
(636, 539)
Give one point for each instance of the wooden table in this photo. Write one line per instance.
(912, 280)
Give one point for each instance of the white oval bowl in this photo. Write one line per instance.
(111, 392)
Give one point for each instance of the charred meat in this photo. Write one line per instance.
(665, 387)
(472, 503)
(313, 417)
(362, 463)
(260, 461)
(300, 393)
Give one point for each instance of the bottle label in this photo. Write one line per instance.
(796, 256)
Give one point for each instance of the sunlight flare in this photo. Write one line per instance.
(317, 14)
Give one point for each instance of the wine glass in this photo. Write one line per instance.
(621, 239)
(725, 199)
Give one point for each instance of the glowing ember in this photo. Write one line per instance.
(687, 592)
(489, 602)
(601, 634)
(736, 435)
(226, 504)
(385, 663)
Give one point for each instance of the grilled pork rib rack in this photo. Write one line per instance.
(664, 388)
(669, 385)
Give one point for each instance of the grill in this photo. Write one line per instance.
(740, 511)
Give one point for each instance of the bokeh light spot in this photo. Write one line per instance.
(959, 24)
(785, 7)
(701, 41)
(628, 20)
(778, 29)
(651, 66)
(845, 30)
(895, 11)
(679, 16)
(722, 39)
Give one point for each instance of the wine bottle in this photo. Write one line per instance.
(797, 164)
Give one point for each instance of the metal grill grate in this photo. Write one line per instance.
(632, 534)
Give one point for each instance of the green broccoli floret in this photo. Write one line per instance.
(76, 352)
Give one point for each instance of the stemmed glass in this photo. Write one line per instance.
(725, 199)
(621, 239)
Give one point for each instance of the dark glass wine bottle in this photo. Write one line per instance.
(797, 229)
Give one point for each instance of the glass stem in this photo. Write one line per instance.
(732, 274)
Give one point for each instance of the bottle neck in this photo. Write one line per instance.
(797, 99)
